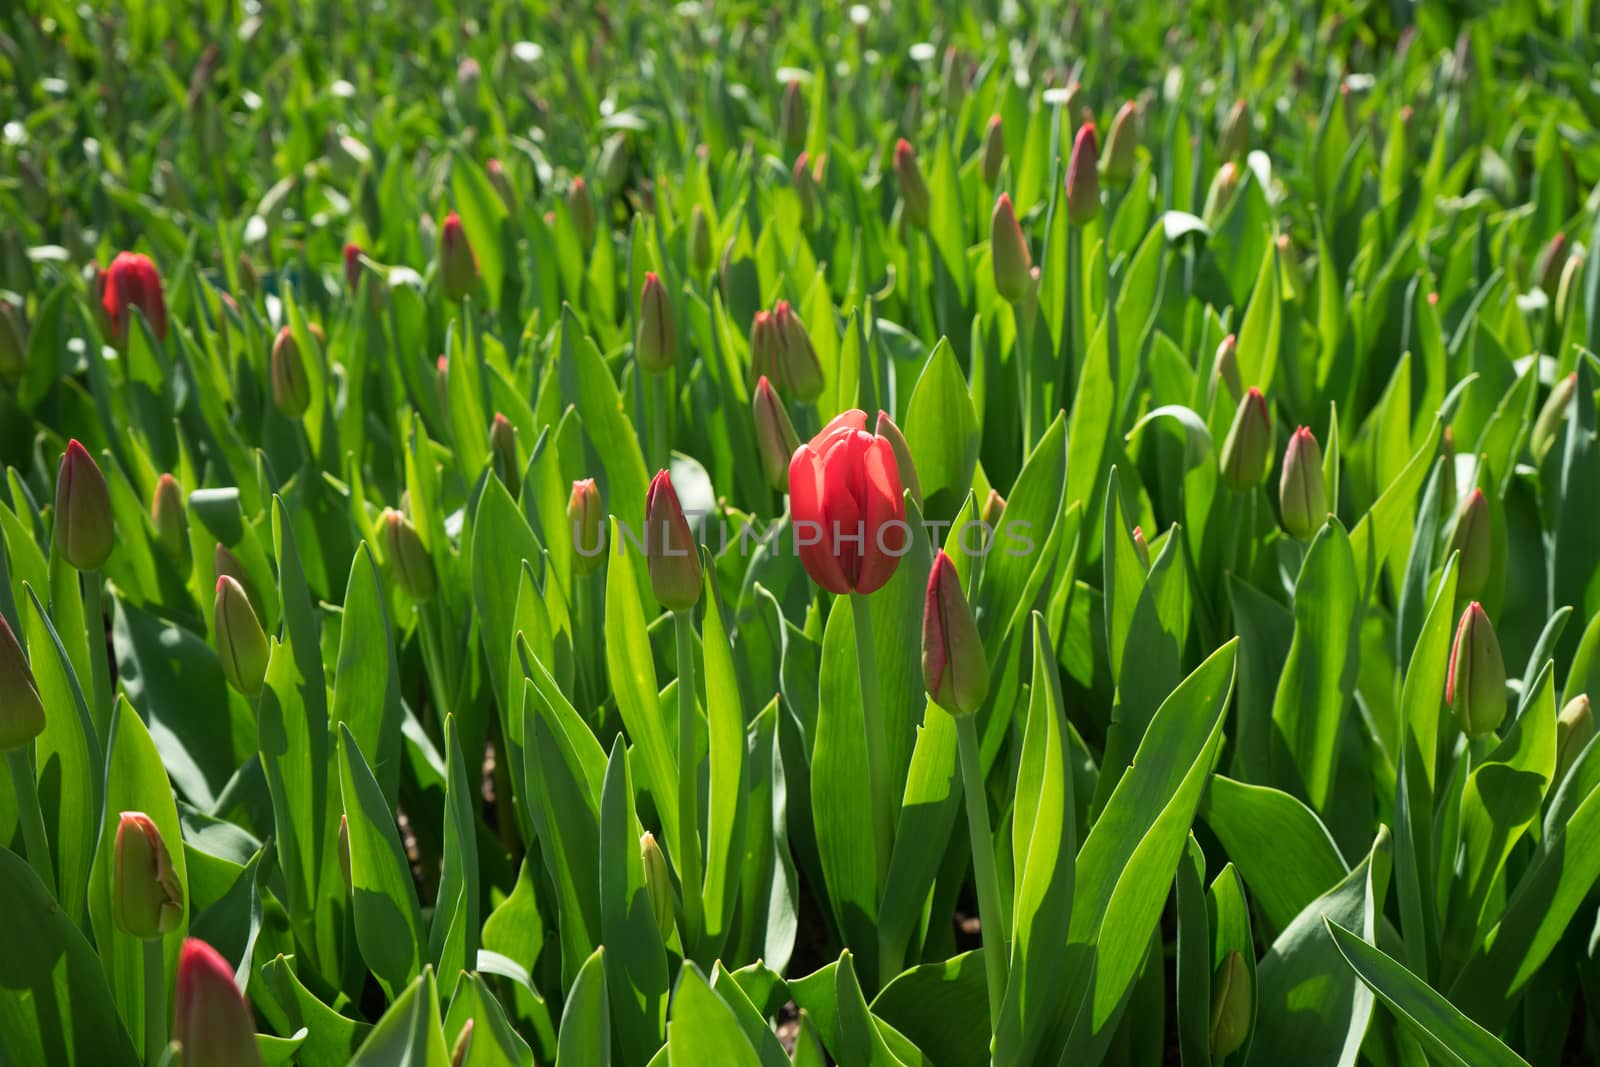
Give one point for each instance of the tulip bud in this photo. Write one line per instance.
(132, 281)
(241, 644)
(799, 369)
(580, 205)
(468, 73)
(699, 240)
(1231, 1006)
(1547, 267)
(1122, 146)
(955, 670)
(146, 897)
(1083, 179)
(805, 187)
(994, 507)
(775, 435)
(441, 381)
(658, 883)
(85, 532)
(955, 81)
(994, 151)
(1473, 537)
(887, 429)
(352, 266)
(614, 163)
(1225, 368)
(407, 556)
(656, 344)
(913, 189)
(1220, 195)
(1008, 249)
(344, 854)
(1247, 450)
(764, 346)
(1289, 269)
(1548, 425)
(503, 454)
(1571, 277)
(587, 517)
(458, 1055)
(1141, 547)
(1574, 729)
(1476, 687)
(291, 390)
(13, 345)
(226, 563)
(1302, 493)
(1235, 132)
(673, 556)
(458, 264)
(792, 119)
(171, 521)
(21, 710)
(211, 1021)
(502, 185)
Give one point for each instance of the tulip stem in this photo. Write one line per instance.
(155, 999)
(990, 922)
(878, 780)
(660, 397)
(29, 815)
(1026, 312)
(94, 618)
(688, 784)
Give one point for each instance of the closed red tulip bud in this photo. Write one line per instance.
(954, 667)
(658, 884)
(775, 435)
(21, 710)
(458, 263)
(13, 344)
(1141, 547)
(792, 119)
(1008, 250)
(407, 556)
(913, 189)
(656, 344)
(171, 521)
(670, 547)
(846, 501)
(146, 897)
(994, 150)
(1548, 425)
(132, 281)
(1225, 369)
(211, 1020)
(85, 532)
(1220, 195)
(1473, 538)
(887, 430)
(1232, 1001)
(291, 389)
(699, 240)
(1547, 268)
(502, 185)
(242, 645)
(580, 205)
(1574, 730)
(1247, 450)
(1302, 492)
(1122, 146)
(1476, 686)
(1083, 177)
(1235, 132)
(805, 187)
(799, 369)
(587, 518)
(352, 266)
(503, 454)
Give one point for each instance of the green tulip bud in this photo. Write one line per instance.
(1141, 547)
(955, 670)
(1008, 250)
(1571, 278)
(502, 185)
(699, 240)
(792, 119)
(994, 507)
(580, 205)
(85, 532)
(1122, 146)
(1302, 493)
(764, 346)
(171, 521)
(1225, 369)
(799, 369)
(1574, 729)
(503, 454)
(1232, 1002)
(670, 547)
(587, 517)
(146, 896)
(13, 342)
(407, 556)
(1220, 194)
(1547, 427)
(1235, 139)
(1476, 686)
(458, 263)
(913, 189)
(21, 710)
(1473, 537)
(241, 643)
(1083, 177)
(994, 150)
(291, 390)
(614, 163)
(656, 343)
(805, 187)
(658, 883)
(775, 435)
(1247, 450)
(1547, 267)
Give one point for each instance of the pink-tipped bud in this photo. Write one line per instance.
(587, 517)
(1220, 195)
(242, 646)
(775, 435)
(658, 884)
(1083, 177)
(799, 369)
(1235, 132)
(1141, 547)
(211, 1020)
(1225, 369)
(764, 347)
(85, 533)
(1302, 491)
(458, 263)
(656, 344)
(352, 266)
(954, 667)
(1008, 251)
(670, 547)
(580, 206)
(503, 454)
(21, 710)
(291, 389)
(913, 189)
(1476, 686)
(170, 519)
(146, 897)
(1247, 451)
(994, 150)
(408, 558)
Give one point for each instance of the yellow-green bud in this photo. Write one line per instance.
(242, 645)
(775, 435)
(291, 390)
(503, 454)
(1476, 686)
(1302, 493)
(1473, 537)
(1008, 251)
(1232, 1003)
(586, 515)
(1574, 729)
(84, 532)
(146, 896)
(407, 556)
(21, 710)
(1247, 450)
(658, 883)
(656, 343)
(171, 521)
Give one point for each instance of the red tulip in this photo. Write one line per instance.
(352, 265)
(211, 1019)
(132, 281)
(845, 495)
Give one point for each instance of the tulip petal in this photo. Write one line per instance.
(884, 503)
(805, 506)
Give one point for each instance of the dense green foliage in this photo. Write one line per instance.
(1263, 335)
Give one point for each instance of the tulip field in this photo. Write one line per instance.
(729, 535)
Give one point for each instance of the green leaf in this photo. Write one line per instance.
(366, 687)
(1280, 846)
(942, 432)
(453, 934)
(636, 965)
(410, 1031)
(703, 1028)
(725, 801)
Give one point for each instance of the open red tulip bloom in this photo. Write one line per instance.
(848, 506)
